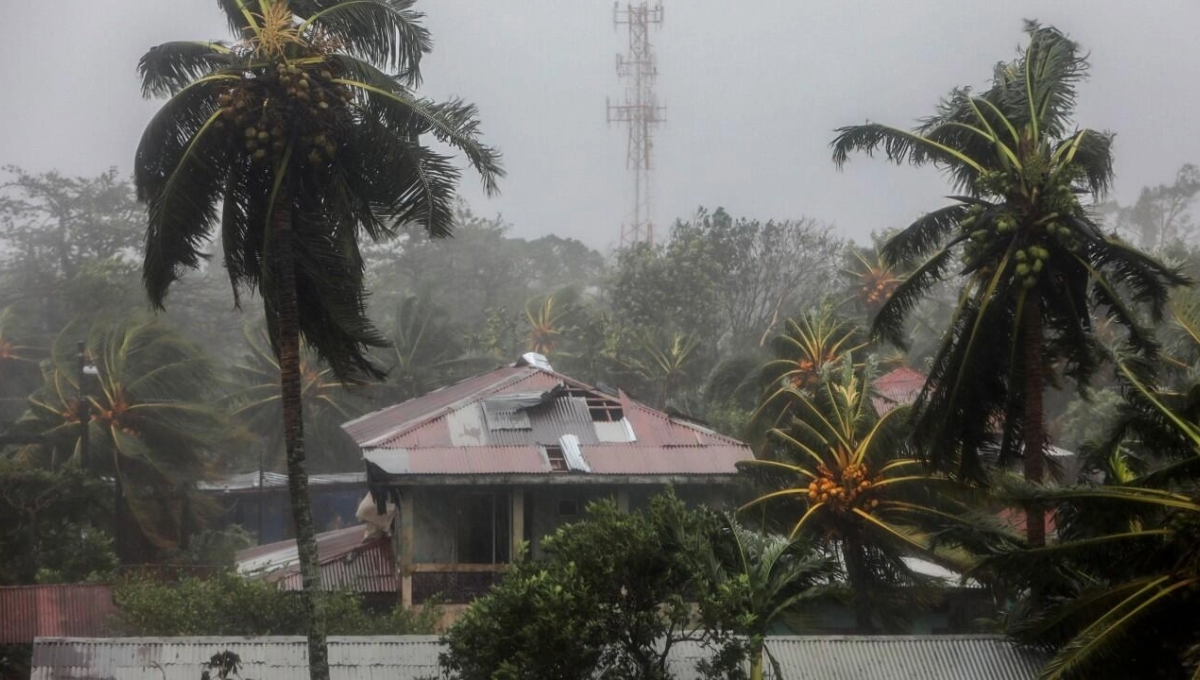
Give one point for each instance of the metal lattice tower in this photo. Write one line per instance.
(640, 110)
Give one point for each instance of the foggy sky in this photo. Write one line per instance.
(753, 90)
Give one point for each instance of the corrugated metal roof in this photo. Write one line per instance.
(27, 612)
(603, 459)
(365, 429)
(349, 560)
(924, 657)
(273, 480)
(897, 387)
(410, 657)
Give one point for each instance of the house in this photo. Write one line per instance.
(415, 657)
(488, 466)
(259, 503)
(897, 388)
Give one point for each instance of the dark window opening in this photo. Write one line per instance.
(568, 507)
(558, 462)
(483, 534)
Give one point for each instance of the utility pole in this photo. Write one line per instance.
(640, 110)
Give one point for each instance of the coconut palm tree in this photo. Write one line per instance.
(1116, 595)
(842, 476)
(305, 139)
(152, 426)
(1034, 264)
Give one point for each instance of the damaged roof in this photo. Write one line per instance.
(897, 388)
(528, 419)
(350, 559)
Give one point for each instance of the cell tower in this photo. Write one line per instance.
(640, 110)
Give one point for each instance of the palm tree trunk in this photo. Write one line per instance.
(1034, 426)
(288, 329)
(860, 583)
(756, 660)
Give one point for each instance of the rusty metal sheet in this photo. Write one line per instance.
(27, 612)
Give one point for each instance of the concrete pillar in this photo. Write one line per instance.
(518, 523)
(623, 498)
(406, 547)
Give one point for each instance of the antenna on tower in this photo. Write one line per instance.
(640, 110)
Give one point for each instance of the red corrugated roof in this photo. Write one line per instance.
(897, 387)
(348, 561)
(446, 432)
(76, 610)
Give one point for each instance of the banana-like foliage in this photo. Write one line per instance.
(1032, 262)
(838, 474)
(760, 578)
(151, 424)
(1116, 595)
(312, 111)
(327, 403)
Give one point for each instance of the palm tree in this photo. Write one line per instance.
(151, 427)
(426, 352)
(1034, 262)
(302, 135)
(1116, 596)
(327, 402)
(18, 365)
(842, 476)
(812, 341)
(762, 578)
(664, 361)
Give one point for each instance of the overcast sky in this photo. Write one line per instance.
(753, 90)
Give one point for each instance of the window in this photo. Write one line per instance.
(482, 528)
(558, 462)
(568, 507)
(601, 408)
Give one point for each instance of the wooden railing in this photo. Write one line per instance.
(453, 583)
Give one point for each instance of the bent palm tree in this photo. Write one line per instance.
(1034, 262)
(1116, 596)
(308, 143)
(844, 477)
(151, 425)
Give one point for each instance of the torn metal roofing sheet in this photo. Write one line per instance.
(411, 657)
(349, 560)
(275, 480)
(27, 612)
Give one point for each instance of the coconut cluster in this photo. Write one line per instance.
(877, 288)
(1040, 228)
(291, 101)
(842, 489)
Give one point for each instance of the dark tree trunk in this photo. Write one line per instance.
(288, 329)
(860, 583)
(1033, 425)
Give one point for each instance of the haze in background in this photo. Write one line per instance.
(753, 90)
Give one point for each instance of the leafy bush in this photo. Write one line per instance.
(614, 594)
(229, 604)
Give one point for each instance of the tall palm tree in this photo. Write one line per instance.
(151, 427)
(842, 476)
(303, 135)
(1033, 261)
(1116, 596)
